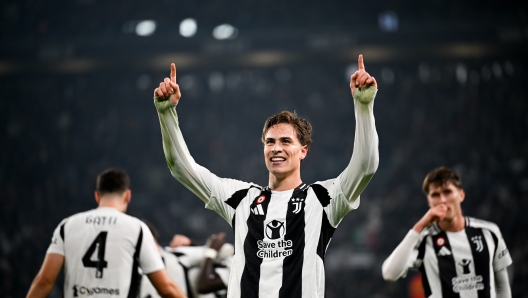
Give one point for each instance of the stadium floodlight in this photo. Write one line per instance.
(145, 28)
(225, 31)
(388, 21)
(188, 27)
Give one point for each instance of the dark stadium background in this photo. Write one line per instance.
(76, 86)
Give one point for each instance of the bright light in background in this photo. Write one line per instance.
(388, 21)
(225, 31)
(188, 27)
(145, 28)
(461, 73)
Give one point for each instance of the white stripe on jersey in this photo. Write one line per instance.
(271, 268)
(175, 271)
(99, 247)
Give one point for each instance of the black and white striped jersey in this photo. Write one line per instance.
(280, 237)
(174, 269)
(461, 264)
(183, 264)
(103, 249)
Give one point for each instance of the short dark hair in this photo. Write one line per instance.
(112, 181)
(301, 126)
(439, 177)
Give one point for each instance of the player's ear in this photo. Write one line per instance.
(462, 195)
(128, 195)
(97, 197)
(304, 151)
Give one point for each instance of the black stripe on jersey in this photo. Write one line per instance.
(62, 231)
(327, 231)
(135, 278)
(190, 292)
(425, 281)
(292, 265)
(249, 283)
(480, 252)
(237, 197)
(446, 264)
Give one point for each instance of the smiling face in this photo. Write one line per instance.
(449, 195)
(282, 151)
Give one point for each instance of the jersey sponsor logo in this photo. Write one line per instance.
(479, 246)
(467, 283)
(260, 199)
(298, 203)
(440, 241)
(274, 249)
(465, 266)
(503, 253)
(90, 291)
(258, 210)
(275, 229)
(444, 251)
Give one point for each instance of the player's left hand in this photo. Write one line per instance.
(361, 78)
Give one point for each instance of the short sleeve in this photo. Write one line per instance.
(57, 240)
(149, 255)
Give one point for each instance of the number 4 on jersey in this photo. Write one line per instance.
(98, 244)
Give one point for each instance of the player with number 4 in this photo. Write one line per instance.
(101, 249)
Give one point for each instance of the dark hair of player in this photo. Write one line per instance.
(440, 176)
(301, 126)
(112, 181)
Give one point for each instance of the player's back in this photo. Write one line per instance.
(103, 250)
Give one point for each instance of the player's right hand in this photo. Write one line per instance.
(168, 88)
(434, 214)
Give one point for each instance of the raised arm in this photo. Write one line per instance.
(181, 164)
(365, 157)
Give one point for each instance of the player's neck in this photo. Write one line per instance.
(113, 203)
(284, 183)
(457, 224)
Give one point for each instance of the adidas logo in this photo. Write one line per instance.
(258, 210)
(444, 251)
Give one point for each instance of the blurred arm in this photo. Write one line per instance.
(45, 279)
(397, 264)
(209, 281)
(502, 284)
(165, 286)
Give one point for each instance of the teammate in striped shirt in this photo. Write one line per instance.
(101, 249)
(281, 230)
(458, 256)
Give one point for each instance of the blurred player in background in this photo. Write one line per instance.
(200, 271)
(102, 249)
(458, 256)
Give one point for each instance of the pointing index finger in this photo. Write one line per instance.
(360, 62)
(173, 73)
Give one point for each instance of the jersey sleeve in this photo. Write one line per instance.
(196, 178)
(502, 257)
(57, 240)
(188, 256)
(405, 256)
(347, 187)
(149, 255)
